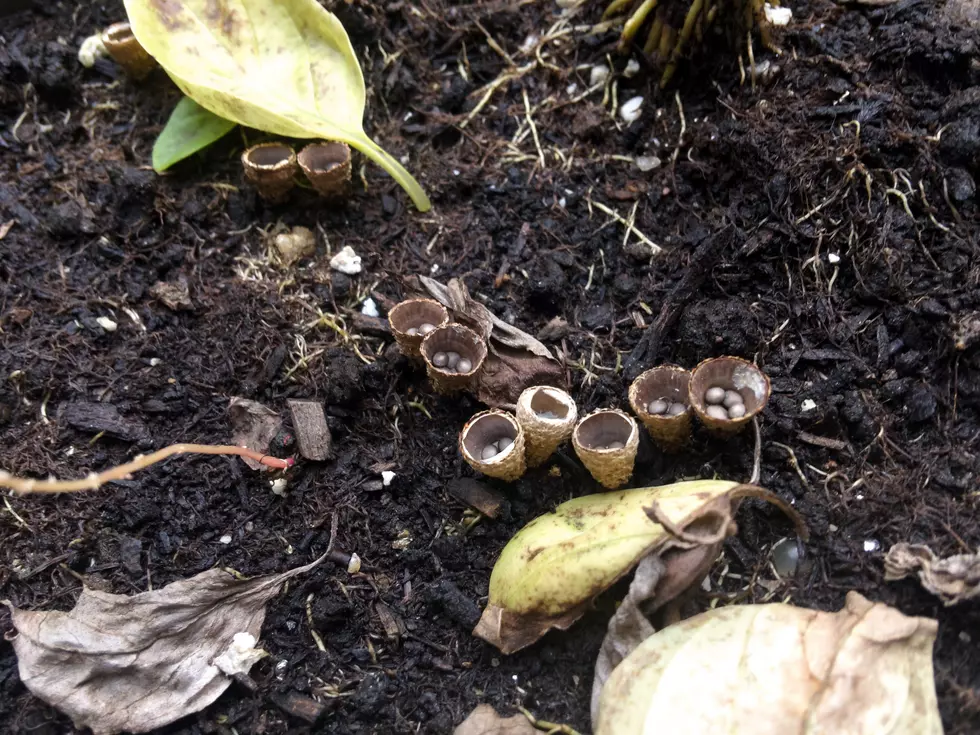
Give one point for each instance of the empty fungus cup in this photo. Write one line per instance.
(492, 442)
(739, 381)
(327, 166)
(606, 442)
(412, 319)
(453, 356)
(271, 168)
(126, 51)
(547, 416)
(655, 396)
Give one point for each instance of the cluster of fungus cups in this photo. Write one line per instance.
(272, 168)
(492, 442)
(606, 442)
(660, 398)
(727, 393)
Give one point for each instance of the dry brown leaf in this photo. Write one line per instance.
(253, 425)
(484, 720)
(953, 579)
(775, 669)
(116, 663)
(515, 359)
(174, 295)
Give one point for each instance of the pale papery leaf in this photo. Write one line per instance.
(484, 720)
(117, 663)
(776, 669)
(283, 66)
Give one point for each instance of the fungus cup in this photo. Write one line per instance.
(667, 385)
(492, 442)
(453, 356)
(731, 374)
(271, 168)
(328, 167)
(547, 416)
(407, 317)
(126, 51)
(606, 441)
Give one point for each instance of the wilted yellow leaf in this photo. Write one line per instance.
(283, 66)
(775, 669)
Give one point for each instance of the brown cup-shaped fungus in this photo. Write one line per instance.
(271, 168)
(606, 442)
(126, 51)
(412, 320)
(327, 166)
(656, 397)
(547, 416)
(453, 356)
(492, 442)
(743, 389)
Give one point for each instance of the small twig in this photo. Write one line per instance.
(95, 480)
(757, 453)
(549, 727)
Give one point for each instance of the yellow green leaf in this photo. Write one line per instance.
(189, 129)
(283, 66)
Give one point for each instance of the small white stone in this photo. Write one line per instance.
(107, 324)
(598, 75)
(226, 539)
(871, 545)
(631, 109)
(346, 261)
(808, 405)
(386, 477)
(833, 257)
(434, 269)
(571, 89)
(369, 308)
(91, 50)
(154, 361)
(647, 163)
(404, 160)
(778, 16)
(279, 486)
(632, 69)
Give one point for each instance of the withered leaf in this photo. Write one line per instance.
(117, 663)
(953, 579)
(484, 720)
(775, 669)
(253, 425)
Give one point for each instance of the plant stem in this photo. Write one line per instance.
(96, 480)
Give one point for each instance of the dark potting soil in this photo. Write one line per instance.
(823, 224)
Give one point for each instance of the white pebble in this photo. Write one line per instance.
(464, 365)
(732, 398)
(226, 539)
(440, 359)
(489, 452)
(504, 444)
(279, 486)
(658, 407)
(91, 50)
(632, 69)
(808, 405)
(676, 409)
(737, 411)
(426, 328)
(714, 395)
(346, 261)
(833, 258)
(631, 109)
(369, 308)
(615, 445)
(871, 545)
(386, 477)
(647, 163)
(778, 16)
(107, 324)
(598, 75)
(716, 412)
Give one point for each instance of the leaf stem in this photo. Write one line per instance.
(122, 472)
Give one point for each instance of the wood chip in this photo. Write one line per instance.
(297, 705)
(312, 433)
(392, 623)
(477, 495)
(824, 441)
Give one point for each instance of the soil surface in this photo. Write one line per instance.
(823, 224)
